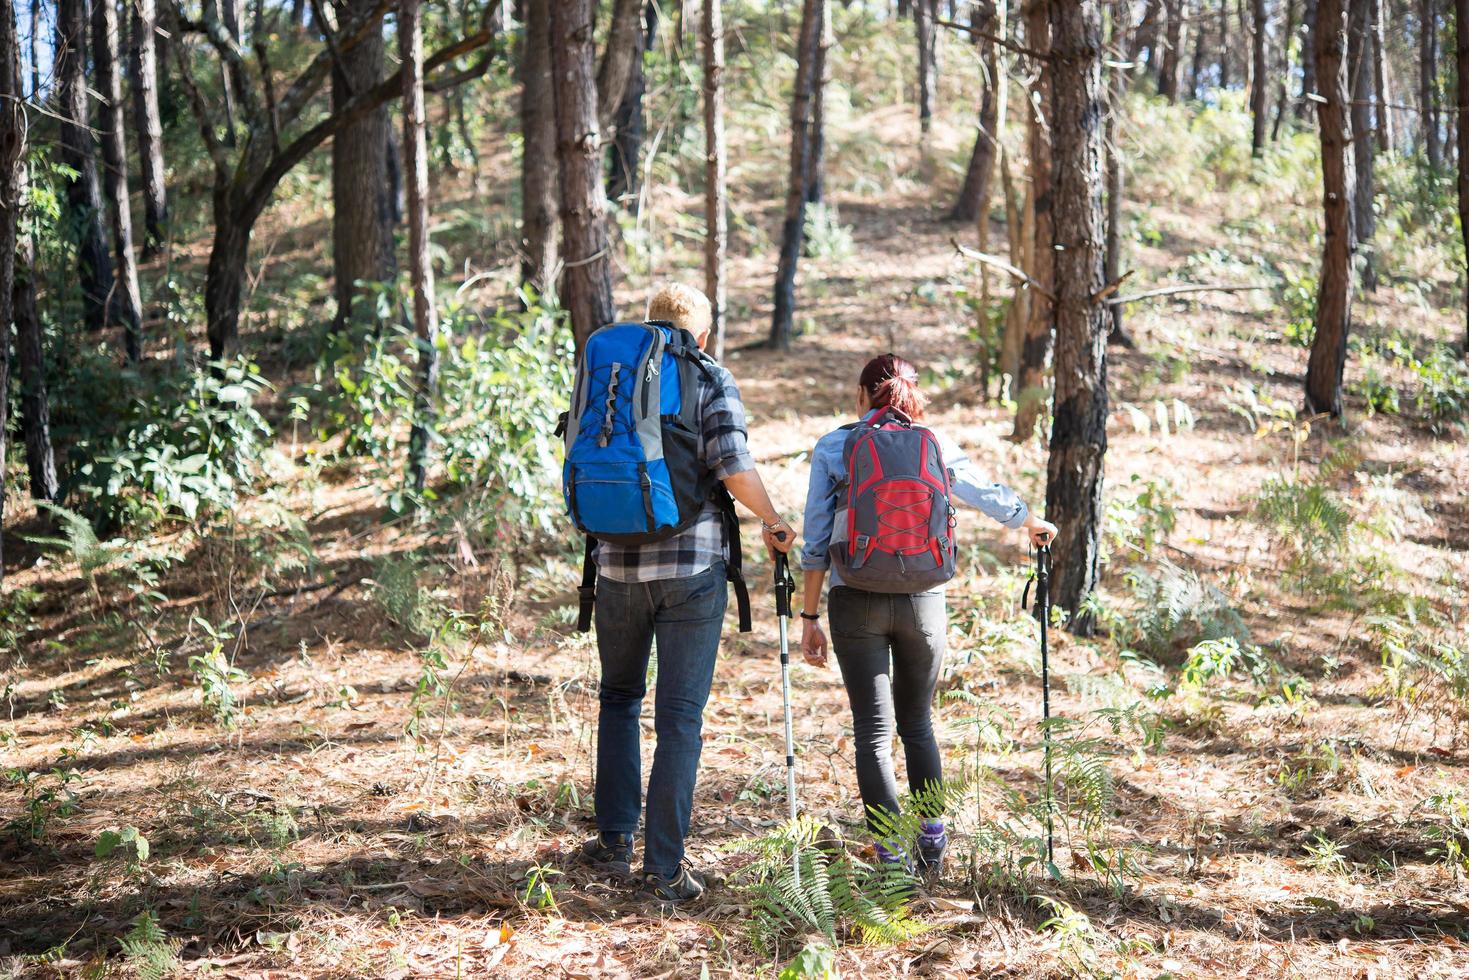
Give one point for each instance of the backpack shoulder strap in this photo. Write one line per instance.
(734, 568)
(587, 592)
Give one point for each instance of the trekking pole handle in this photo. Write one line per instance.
(784, 585)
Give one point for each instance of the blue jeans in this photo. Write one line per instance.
(686, 616)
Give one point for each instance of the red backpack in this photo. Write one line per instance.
(894, 527)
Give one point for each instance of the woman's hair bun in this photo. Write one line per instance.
(892, 382)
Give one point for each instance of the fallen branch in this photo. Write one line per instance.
(1177, 290)
(999, 263)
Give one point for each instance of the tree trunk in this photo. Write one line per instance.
(588, 277)
(1223, 44)
(1308, 58)
(1428, 82)
(1112, 263)
(1196, 70)
(1177, 41)
(1079, 432)
(1461, 60)
(716, 219)
(1035, 350)
(224, 279)
(1145, 40)
(539, 200)
(362, 205)
(127, 297)
(1283, 95)
(975, 194)
(821, 75)
(35, 42)
(147, 123)
(12, 162)
(420, 269)
(79, 153)
(925, 27)
(1360, 81)
(1380, 80)
(1259, 81)
(1334, 299)
(623, 174)
(793, 228)
(35, 405)
(625, 40)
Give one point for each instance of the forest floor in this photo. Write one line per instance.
(1280, 830)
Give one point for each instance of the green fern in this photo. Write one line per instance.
(1175, 610)
(148, 950)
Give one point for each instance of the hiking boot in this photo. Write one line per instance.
(607, 852)
(687, 886)
(933, 840)
(890, 853)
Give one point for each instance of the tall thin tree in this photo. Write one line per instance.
(362, 200)
(1334, 296)
(1308, 58)
(148, 123)
(1428, 83)
(1224, 44)
(1079, 430)
(1361, 81)
(1259, 79)
(588, 278)
(127, 297)
(625, 153)
(420, 269)
(1461, 60)
(820, 76)
(793, 227)
(1029, 390)
(1381, 79)
(926, 30)
(974, 193)
(539, 193)
(1174, 46)
(79, 152)
(716, 218)
(12, 155)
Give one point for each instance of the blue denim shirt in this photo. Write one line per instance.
(996, 500)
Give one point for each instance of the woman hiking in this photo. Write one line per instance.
(879, 517)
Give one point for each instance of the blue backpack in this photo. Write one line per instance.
(634, 471)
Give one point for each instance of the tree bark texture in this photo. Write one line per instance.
(716, 217)
(624, 177)
(79, 152)
(539, 194)
(1428, 82)
(588, 278)
(821, 75)
(1461, 60)
(420, 269)
(625, 40)
(362, 195)
(12, 157)
(148, 124)
(926, 29)
(793, 227)
(127, 297)
(1259, 79)
(1079, 430)
(1174, 45)
(1334, 299)
(975, 194)
(1361, 81)
(1029, 390)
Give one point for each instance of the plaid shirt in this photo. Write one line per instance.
(725, 453)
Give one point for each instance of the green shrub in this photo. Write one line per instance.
(1176, 610)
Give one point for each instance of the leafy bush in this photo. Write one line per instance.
(502, 383)
(153, 447)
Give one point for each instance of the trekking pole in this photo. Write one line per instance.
(1043, 606)
(784, 587)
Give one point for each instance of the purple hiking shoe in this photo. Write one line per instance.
(933, 840)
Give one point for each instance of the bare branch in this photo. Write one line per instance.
(1017, 274)
(1179, 290)
(202, 114)
(309, 82)
(995, 39)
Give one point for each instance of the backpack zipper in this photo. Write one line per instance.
(655, 361)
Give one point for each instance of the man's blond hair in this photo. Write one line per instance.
(683, 306)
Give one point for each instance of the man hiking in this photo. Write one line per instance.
(656, 447)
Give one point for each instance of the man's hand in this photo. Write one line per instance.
(778, 536)
(813, 643)
(1042, 532)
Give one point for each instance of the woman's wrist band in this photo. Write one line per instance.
(814, 617)
(772, 525)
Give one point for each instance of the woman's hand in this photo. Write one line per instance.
(813, 643)
(1042, 532)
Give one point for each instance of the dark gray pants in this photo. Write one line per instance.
(890, 649)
